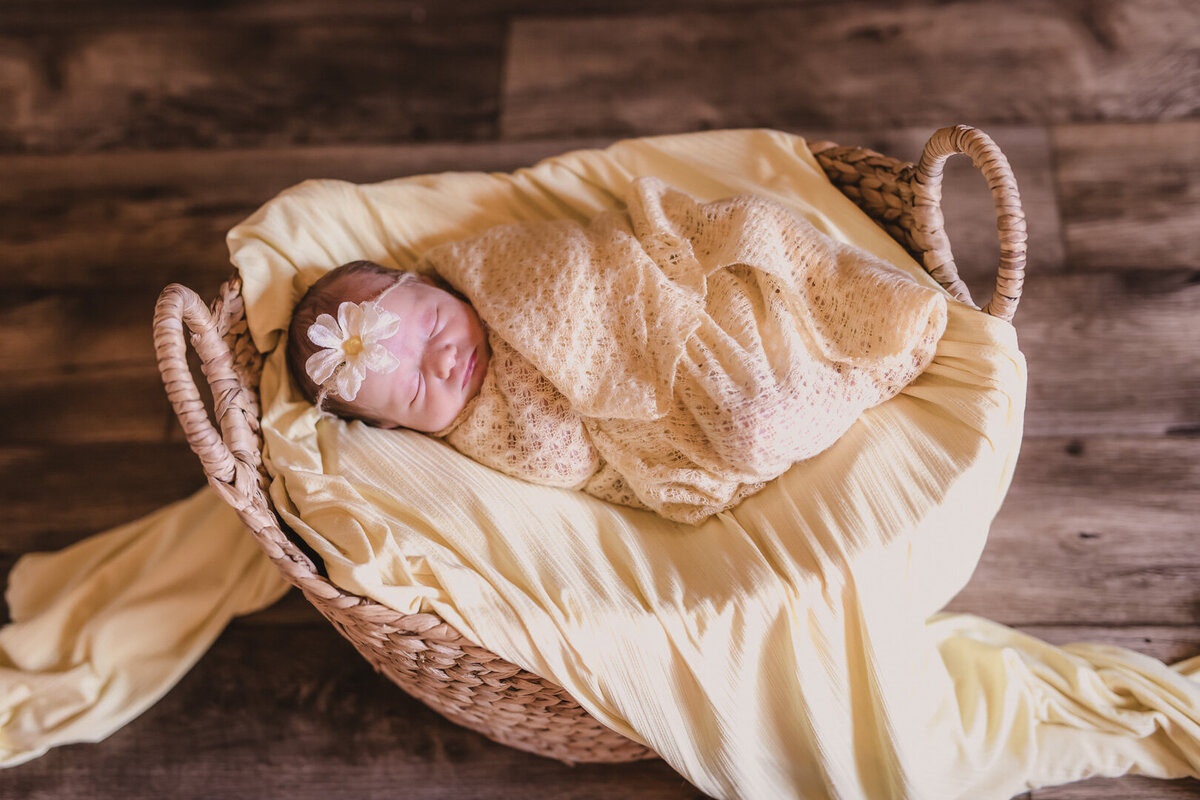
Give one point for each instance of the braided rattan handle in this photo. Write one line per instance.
(230, 458)
(1010, 217)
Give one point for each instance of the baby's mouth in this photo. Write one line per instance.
(470, 370)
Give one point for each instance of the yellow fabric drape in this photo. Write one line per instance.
(784, 649)
(102, 629)
(788, 648)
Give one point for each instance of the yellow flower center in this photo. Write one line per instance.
(352, 346)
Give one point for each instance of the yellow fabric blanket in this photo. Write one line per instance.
(701, 349)
(784, 649)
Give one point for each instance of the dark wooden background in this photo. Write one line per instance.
(134, 133)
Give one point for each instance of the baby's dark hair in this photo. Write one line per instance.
(323, 297)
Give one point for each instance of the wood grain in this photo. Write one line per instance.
(1129, 788)
(167, 81)
(1095, 531)
(1130, 194)
(43, 14)
(53, 495)
(150, 218)
(129, 218)
(882, 65)
(53, 333)
(121, 231)
(102, 404)
(1111, 352)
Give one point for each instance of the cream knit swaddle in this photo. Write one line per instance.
(676, 356)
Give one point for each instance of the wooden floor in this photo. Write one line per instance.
(134, 133)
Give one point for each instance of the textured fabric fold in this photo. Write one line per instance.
(623, 367)
(691, 399)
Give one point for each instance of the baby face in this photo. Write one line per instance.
(443, 353)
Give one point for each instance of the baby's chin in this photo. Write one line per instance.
(444, 420)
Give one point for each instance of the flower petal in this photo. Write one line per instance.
(378, 323)
(370, 315)
(379, 359)
(321, 364)
(349, 381)
(350, 318)
(325, 332)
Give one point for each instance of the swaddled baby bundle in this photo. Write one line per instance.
(674, 355)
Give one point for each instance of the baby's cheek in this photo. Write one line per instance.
(387, 397)
(399, 386)
(456, 403)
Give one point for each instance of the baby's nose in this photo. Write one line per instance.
(444, 361)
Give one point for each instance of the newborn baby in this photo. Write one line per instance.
(672, 356)
(390, 348)
(395, 349)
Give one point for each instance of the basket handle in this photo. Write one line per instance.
(229, 458)
(1010, 217)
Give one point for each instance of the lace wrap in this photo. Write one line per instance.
(677, 356)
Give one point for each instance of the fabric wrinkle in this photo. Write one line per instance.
(688, 352)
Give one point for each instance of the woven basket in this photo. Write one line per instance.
(425, 656)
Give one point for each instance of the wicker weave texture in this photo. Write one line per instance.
(420, 652)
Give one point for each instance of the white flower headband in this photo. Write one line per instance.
(351, 345)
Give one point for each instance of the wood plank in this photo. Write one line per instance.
(1130, 194)
(46, 14)
(1132, 787)
(1064, 323)
(282, 705)
(149, 218)
(1095, 531)
(293, 711)
(156, 217)
(881, 65)
(282, 640)
(1111, 353)
(193, 81)
(55, 494)
(48, 334)
(103, 404)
